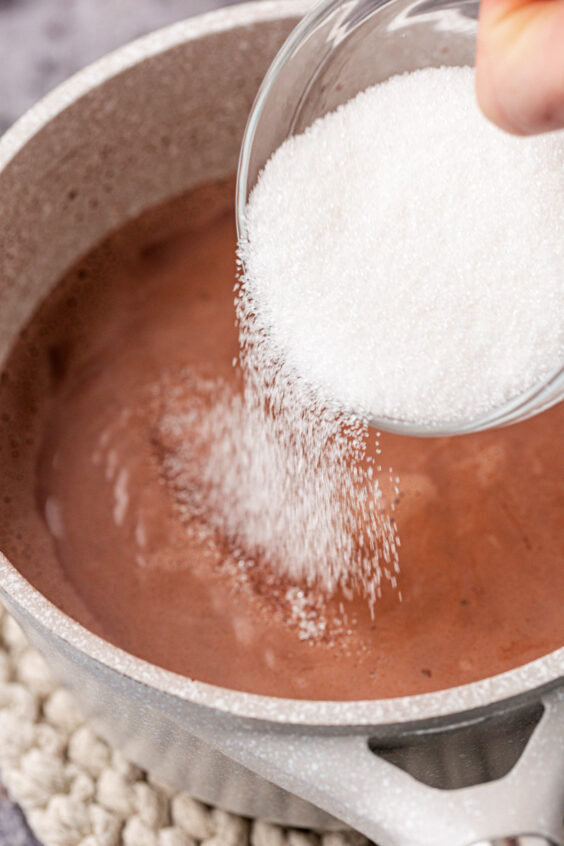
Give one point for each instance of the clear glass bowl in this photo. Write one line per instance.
(340, 48)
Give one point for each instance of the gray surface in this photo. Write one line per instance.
(13, 830)
(44, 41)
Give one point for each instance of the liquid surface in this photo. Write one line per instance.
(93, 514)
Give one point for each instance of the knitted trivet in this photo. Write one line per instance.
(77, 791)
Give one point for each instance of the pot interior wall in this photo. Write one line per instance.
(150, 132)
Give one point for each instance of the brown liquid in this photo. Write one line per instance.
(151, 311)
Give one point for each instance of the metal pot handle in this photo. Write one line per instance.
(342, 776)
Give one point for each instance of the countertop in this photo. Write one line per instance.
(43, 42)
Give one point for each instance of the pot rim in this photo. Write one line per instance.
(541, 673)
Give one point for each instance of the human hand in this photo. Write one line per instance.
(520, 64)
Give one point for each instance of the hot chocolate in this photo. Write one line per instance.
(93, 513)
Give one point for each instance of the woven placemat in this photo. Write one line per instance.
(76, 790)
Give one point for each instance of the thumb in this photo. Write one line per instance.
(520, 64)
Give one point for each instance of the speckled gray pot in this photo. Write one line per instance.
(194, 83)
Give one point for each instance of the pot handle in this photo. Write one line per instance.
(342, 776)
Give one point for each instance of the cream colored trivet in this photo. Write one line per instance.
(77, 791)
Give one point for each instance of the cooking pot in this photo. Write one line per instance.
(482, 763)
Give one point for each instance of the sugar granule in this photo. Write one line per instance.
(405, 257)
(283, 480)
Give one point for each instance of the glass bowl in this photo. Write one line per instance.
(340, 48)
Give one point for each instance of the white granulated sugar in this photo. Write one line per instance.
(285, 480)
(406, 257)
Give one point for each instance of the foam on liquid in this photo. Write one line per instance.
(405, 256)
